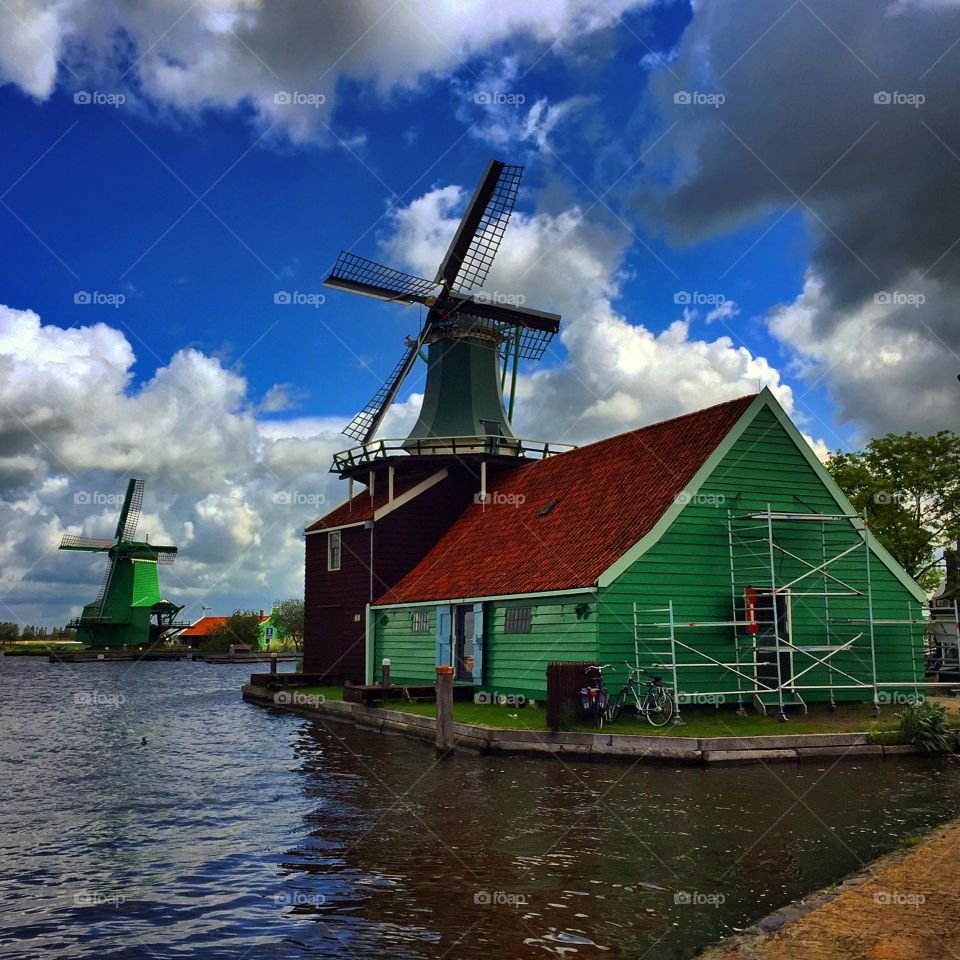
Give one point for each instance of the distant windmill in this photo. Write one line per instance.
(129, 609)
(467, 334)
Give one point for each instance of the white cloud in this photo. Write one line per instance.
(616, 373)
(886, 367)
(231, 490)
(192, 56)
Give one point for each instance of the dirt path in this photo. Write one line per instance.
(906, 906)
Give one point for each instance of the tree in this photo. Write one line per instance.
(241, 627)
(287, 619)
(9, 630)
(909, 486)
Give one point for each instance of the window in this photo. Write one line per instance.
(518, 620)
(333, 550)
(420, 621)
(547, 508)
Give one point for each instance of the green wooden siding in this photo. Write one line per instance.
(562, 628)
(690, 565)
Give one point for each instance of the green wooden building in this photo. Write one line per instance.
(713, 548)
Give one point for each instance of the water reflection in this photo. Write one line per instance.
(237, 832)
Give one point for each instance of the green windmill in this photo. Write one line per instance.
(129, 609)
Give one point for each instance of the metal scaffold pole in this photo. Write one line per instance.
(873, 646)
(826, 607)
(741, 707)
(677, 720)
(775, 619)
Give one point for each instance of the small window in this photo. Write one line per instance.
(547, 508)
(420, 621)
(333, 550)
(518, 620)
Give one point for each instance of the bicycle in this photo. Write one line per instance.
(595, 699)
(651, 699)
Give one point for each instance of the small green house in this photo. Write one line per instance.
(714, 549)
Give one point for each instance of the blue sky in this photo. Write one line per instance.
(798, 199)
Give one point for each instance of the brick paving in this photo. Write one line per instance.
(906, 906)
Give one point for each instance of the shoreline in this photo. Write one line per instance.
(600, 746)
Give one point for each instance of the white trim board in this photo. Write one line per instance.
(388, 507)
(572, 592)
(764, 400)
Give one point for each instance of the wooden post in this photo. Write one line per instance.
(385, 675)
(444, 709)
(232, 650)
(273, 663)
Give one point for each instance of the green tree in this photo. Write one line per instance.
(909, 486)
(9, 630)
(241, 627)
(287, 618)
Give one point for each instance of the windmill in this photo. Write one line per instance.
(129, 609)
(471, 338)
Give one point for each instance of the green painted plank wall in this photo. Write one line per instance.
(562, 628)
(690, 565)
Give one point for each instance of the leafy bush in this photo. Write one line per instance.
(241, 627)
(925, 725)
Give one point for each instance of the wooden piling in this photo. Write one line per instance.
(385, 674)
(444, 709)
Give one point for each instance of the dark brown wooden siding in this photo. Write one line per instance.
(334, 641)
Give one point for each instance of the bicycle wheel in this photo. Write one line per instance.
(617, 704)
(658, 707)
(600, 708)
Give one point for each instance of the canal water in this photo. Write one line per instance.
(146, 811)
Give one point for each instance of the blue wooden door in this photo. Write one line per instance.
(478, 644)
(444, 635)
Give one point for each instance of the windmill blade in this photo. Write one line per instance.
(371, 279)
(165, 554)
(130, 513)
(475, 244)
(104, 586)
(90, 544)
(363, 426)
(514, 316)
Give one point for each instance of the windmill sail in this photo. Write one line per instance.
(475, 244)
(130, 513)
(72, 542)
(360, 275)
(363, 426)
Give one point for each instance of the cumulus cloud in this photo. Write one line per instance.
(616, 372)
(191, 56)
(232, 490)
(853, 127)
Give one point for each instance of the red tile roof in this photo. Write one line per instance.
(204, 626)
(609, 495)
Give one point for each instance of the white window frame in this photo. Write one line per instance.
(420, 621)
(334, 548)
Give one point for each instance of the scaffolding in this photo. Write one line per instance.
(803, 620)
